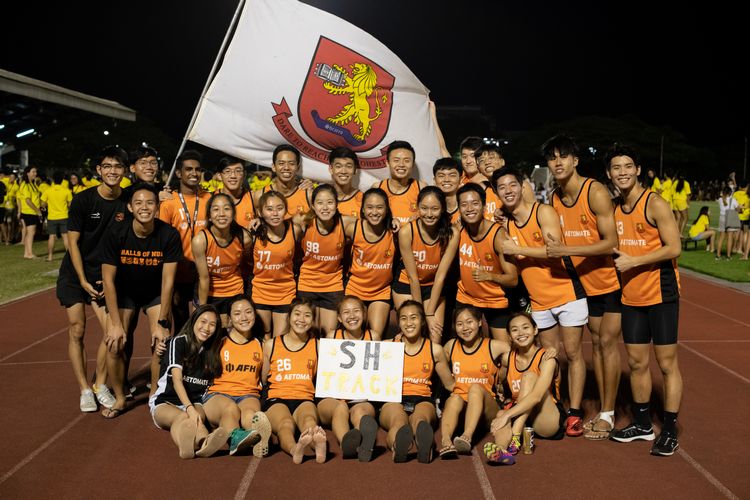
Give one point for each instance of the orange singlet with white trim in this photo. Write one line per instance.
(476, 367)
(426, 257)
(473, 254)
(549, 281)
(273, 277)
(597, 272)
(322, 269)
(418, 369)
(242, 365)
(225, 277)
(371, 272)
(515, 374)
(493, 202)
(645, 285)
(340, 335)
(296, 203)
(403, 205)
(292, 373)
(352, 205)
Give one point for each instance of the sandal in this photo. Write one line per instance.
(112, 412)
(598, 434)
(213, 443)
(448, 452)
(462, 445)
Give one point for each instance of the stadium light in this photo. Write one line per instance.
(2, 126)
(536, 166)
(25, 133)
(106, 132)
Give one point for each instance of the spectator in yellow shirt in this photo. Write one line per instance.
(680, 200)
(57, 201)
(30, 209)
(75, 184)
(700, 229)
(743, 200)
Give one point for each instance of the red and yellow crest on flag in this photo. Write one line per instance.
(346, 101)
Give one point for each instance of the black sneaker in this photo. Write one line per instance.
(665, 445)
(632, 432)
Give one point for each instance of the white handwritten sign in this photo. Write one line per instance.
(359, 369)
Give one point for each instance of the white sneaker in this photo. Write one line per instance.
(88, 401)
(104, 396)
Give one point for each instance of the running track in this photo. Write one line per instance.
(52, 449)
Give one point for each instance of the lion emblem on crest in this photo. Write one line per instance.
(359, 86)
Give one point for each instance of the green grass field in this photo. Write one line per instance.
(703, 262)
(21, 276)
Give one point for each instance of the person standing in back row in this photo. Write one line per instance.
(402, 189)
(647, 262)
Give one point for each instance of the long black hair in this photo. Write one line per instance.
(262, 231)
(205, 354)
(377, 192)
(320, 189)
(444, 223)
(235, 230)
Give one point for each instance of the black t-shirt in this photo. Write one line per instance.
(140, 261)
(195, 379)
(91, 215)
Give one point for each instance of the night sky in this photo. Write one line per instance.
(525, 62)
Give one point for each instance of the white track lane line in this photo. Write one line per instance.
(484, 481)
(247, 479)
(709, 477)
(715, 363)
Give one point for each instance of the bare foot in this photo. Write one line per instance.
(298, 451)
(321, 445)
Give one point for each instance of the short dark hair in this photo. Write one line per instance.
(142, 152)
(488, 147)
(144, 186)
(342, 152)
(58, 176)
(189, 154)
(501, 172)
(472, 142)
(227, 161)
(619, 149)
(472, 187)
(285, 147)
(115, 152)
(564, 143)
(447, 164)
(399, 145)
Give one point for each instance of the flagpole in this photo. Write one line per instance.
(205, 87)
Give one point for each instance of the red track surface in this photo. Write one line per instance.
(50, 449)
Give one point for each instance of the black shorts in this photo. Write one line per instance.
(405, 289)
(130, 301)
(561, 429)
(324, 300)
(223, 304)
(606, 303)
(69, 292)
(185, 292)
(646, 324)
(2, 214)
(30, 219)
(410, 402)
(292, 404)
(283, 308)
(745, 224)
(495, 317)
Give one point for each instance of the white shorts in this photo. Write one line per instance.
(152, 408)
(575, 313)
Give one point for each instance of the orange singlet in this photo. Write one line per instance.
(352, 205)
(322, 269)
(645, 285)
(225, 278)
(426, 257)
(187, 214)
(597, 273)
(291, 374)
(418, 369)
(245, 210)
(339, 334)
(297, 202)
(273, 277)
(371, 272)
(549, 282)
(455, 215)
(492, 204)
(515, 374)
(481, 254)
(242, 364)
(470, 368)
(403, 205)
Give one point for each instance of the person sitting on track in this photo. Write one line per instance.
(289, 365)
(359, 441)
(233, 399)
(535, 393)
(190, 362)
(415, 415)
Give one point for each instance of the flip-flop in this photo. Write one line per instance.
(594, 434)
(261, 424)
(109, 413)
(350, 442)
(321, 445)
(213, 443)
(369, 429)
(425, 442)
(462, 445)
(448, 452)
(402, 443)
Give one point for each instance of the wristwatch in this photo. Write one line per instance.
(165, 323)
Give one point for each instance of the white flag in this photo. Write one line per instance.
(295, 74)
